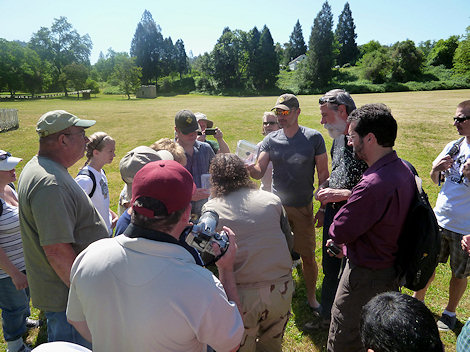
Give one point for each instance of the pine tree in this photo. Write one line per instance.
(296, 45)
(181, 58)
(270, 64)
(346, 37)
(317, 70)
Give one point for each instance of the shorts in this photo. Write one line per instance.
(459, 259)
(301, 223)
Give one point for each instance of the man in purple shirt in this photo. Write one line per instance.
(369, 224)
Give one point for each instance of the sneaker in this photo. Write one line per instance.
(446, 322)
(318, 324)
(23, 348)
(33, 323)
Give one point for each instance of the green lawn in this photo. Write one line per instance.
(424, 122)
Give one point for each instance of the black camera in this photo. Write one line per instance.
(209, 131)
(203, 235)
(333, 249)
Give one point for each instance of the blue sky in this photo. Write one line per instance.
(111, 24)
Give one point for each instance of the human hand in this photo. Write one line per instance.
(319, 218)
(444, 164)
(218, 134)
(466, 169)
(20, 280)
(332, 195)
(200, 193)
(228, 259)
(465, 243)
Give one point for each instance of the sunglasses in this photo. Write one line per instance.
(282, 112)
(324, 100)
(269, 123)
(4, 155)
(461, 119)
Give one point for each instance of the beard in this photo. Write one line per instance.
(337, 129)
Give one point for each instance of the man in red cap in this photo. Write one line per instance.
(143, 291)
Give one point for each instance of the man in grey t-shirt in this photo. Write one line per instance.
(295, 151)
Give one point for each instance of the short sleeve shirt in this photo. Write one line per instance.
(294, 163)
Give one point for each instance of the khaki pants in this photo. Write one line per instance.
(266, 312)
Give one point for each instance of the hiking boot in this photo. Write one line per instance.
(446, 322)
(318, 324)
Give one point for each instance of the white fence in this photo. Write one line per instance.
(8, 119)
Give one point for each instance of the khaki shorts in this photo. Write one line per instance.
(459, 259)
(301, 223)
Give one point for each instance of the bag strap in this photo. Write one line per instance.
(90, 174)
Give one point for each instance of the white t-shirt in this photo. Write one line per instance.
(453, 202)
(100, 197)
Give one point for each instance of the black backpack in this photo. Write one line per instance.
(90, 174)
(419, 243)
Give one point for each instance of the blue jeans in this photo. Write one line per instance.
(58, 329)
(15, 309)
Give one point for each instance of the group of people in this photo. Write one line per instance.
(130, 281)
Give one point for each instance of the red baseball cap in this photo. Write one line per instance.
(165, 180)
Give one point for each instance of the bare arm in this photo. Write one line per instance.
(82, 328)
(321, 162)
(61, 257)
(223, 146)
(18, 278)
(440, 166)
(258, 170)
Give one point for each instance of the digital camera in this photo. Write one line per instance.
(203, 235)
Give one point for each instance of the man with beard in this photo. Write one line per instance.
(369, 224)
(346, 171)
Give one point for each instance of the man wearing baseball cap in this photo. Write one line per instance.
(143, 291)
(295, 152)
(198, 154)
(57, 219)
(218, 146)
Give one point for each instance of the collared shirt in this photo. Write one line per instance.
(372, 219)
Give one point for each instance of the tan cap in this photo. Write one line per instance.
(58, 120)
(134, 160)
(201, 116)
(286, 102)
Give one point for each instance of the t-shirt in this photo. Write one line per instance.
(138, 294)
(294, 164)
(10, 236)
(453, 202)
(53, 209)
(100, 197)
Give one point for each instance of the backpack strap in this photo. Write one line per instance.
(12, 186)
(90, 174)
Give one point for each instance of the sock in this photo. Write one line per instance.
(15, 345)
(450, 314)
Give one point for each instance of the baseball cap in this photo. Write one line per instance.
(58, 120)
(8, 162)
(186, 122)
(286, 102)
(165, 180)
(134, 160)
(201, 116)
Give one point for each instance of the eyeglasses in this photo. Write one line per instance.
(4, 155)
(324, 100)
(282, 112)
(269, 123)
(461, 119)
(350, 137)
(80, 132)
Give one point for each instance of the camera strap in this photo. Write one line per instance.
(134, 231)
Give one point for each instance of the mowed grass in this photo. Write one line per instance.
(424, 127)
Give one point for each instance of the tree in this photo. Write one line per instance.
(296, 45)
(346, 36)
(268, 59)
(127, 74)
(76, 75)
(147, 48)
(317, 69)
(60, 46)
(443, 52)
(426, 47)
(225, 58)
(462, 54)
(407, 61)
(181, 58)
(376, 65)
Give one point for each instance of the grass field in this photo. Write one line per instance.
(424, 127)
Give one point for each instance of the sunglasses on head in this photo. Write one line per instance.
(324, 100)
(461, 119)
(4, 155)
(269, 123)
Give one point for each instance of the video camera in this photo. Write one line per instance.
(203, 235)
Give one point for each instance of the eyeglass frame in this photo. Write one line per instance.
(331, 100)
(461, 119)
(280, 112)
(269, 123)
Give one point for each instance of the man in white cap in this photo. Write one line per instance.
(204, 123)
(57, 219)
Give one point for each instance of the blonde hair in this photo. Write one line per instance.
(174, 148)
(97, 141)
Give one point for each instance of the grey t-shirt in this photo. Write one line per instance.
(294, 163)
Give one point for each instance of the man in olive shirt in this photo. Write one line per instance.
(57, 218)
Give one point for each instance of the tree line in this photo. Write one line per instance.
(57, 59)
